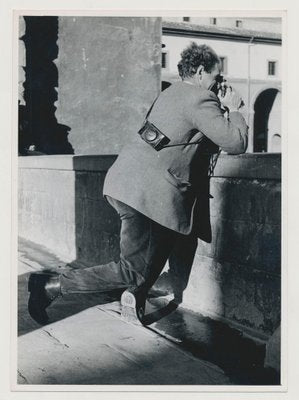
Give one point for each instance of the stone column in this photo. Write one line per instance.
(250, 131)
(22, 61)
(274, 126)
(23, 126)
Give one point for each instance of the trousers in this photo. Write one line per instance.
(145, 246)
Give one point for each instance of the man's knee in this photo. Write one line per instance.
(130, 276)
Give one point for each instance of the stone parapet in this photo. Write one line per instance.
(250, 166)
(237, 277)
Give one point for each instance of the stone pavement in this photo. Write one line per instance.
(87, 343)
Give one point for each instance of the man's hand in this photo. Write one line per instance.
(232, 100)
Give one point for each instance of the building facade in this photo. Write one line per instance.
(251, 62)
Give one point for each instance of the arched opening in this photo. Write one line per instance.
(264, 111)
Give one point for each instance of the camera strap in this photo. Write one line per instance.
(169, 145)
(184, 144)
(150, 109)
(214, 156)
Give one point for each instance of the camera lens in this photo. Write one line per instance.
(150, 136)
(214, 87)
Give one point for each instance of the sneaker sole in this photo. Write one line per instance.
(130, 313)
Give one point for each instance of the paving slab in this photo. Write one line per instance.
(94, 347)
(87, 343)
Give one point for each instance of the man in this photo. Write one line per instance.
(162, 196)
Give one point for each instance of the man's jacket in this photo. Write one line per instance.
(171, 186)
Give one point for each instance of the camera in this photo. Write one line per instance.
(219, 85)
(153, 136)
(220, 88)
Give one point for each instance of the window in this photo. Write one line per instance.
(213, 21)
(239, 23)
(186, 19)
(164, 61)
(223, 65)
(272, 68)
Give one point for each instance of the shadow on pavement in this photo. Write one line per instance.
(71, 304)
(61, 308)
(241, 358)
(160, 313)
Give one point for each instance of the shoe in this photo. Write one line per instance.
(44, 288)
(133, 305)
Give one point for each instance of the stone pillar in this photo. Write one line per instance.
(108, 76)
(250, 131)
(22, 61)
(23, 131)
(274, 126)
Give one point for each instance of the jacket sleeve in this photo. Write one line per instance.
(229, 134)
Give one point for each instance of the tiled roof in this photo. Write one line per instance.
(229, 33)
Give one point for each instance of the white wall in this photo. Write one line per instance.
(260, 55)
(236, 53)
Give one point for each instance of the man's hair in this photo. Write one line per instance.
(194, 56)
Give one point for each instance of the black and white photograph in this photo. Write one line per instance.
(149, 200)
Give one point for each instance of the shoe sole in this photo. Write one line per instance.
(130, 311)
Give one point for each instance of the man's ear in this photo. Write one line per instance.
(200, 70)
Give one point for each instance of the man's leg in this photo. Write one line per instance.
(145, 246)
(144, 249)
(151, 260)
(180, 263)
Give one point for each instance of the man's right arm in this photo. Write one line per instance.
(229, 134)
